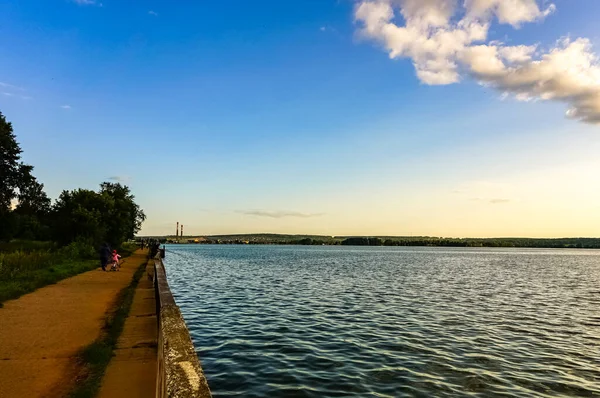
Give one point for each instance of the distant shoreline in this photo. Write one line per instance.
(415, 241)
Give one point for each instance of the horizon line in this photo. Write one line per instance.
(367, 236)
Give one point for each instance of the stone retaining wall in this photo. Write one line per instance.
(179, 374)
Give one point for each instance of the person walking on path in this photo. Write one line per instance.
(104, 256)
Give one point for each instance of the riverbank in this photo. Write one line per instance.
(420, 241)
(44, 332)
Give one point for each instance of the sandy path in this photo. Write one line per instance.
(131, 373)
(41, 332)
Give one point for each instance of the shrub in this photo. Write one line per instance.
(80, 249)
(20, 262)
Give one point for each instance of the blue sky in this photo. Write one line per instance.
(281, 116)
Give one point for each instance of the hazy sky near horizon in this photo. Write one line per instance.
(337, 117)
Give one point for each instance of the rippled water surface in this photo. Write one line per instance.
(295, 321)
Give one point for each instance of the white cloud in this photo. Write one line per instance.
(513, 12)
(88, 3)
(329, 29)
(517, 54)
(66, 106)
(153, 13)
(10, 86)
(448, 40)
(499, 201)
(119, 178)
(11, 91)
(487, 192)
(277, 214)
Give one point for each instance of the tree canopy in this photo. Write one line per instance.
(10, 155)
(18, 183)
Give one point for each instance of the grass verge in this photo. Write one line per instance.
(94, 358)
(30, 280)
(28, 265)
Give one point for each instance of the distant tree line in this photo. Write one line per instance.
(564, 243)
(579, 243)
(26, 212)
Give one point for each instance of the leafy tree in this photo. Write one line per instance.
(10, 154)
(375, 242)
(79, 215)
(26, 221)
(33, 208)
(33, 201)
(125, 217)
(110, 215)
(356, 241)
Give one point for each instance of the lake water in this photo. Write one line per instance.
(296, 321)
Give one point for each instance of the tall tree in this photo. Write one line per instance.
(110, 215)
(18, 183)
(32, 200)
(126, 217)
(33, 208)
(10, 154)
(80, 215)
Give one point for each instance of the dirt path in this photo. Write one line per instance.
(41, 332)
(131, 373)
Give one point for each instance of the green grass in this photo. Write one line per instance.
(22, 273)
(30, 281)
(95, 358)
(25, 246)
(28, 265)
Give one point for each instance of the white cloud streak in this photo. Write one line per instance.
(153, 13)
(11, 91)
(85, 2)
(448, 39)
(119, 178)
(277, 214)
(499, 201)
(12, 95)
(10, 86)
(66, 107)
(487, 192)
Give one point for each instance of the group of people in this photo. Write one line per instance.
(152, 244)
(109, 258)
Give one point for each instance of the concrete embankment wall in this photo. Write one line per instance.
(179, 374)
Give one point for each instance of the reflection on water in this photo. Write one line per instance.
(272, 321)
